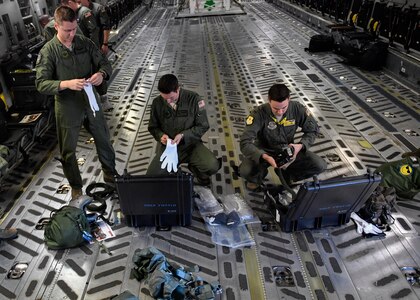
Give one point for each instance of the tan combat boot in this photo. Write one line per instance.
(251, 186)
(76, 193)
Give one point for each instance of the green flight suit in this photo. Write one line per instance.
(190, 119)
(403, 175)
(72, 109)
(265, 134)
(103, 22)
(87, 24)
(49, 30)
(102, 19)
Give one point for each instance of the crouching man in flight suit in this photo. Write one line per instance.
(179, 115)
(64, 69)
(270, 129)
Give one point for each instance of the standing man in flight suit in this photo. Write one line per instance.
(270, 128)
(103, 21)
(90, 28)
(65, 69)
(180, 115)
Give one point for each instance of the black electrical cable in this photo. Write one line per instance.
(99, 196)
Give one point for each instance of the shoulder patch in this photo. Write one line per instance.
(249, 120)
(201, 104)
(406, 170)
(88, 14)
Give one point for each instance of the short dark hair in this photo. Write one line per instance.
(278, 92)
(64, 13)
(65, 2)
(168, 83)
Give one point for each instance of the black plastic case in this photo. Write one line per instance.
(323, 203)
(156, 200)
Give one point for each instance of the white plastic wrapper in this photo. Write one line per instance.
(224, 235)
(207, 203)
(234, 202)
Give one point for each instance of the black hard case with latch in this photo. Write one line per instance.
(322, 203)
(156, 200)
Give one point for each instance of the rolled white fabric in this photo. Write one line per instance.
(363, 226)
(92, 98)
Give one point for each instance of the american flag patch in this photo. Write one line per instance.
(201, 104)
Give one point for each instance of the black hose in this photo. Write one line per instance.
(285, 184)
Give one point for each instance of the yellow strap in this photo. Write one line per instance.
(4, 101)
(376, 26)
(276, 121)
(354, 18)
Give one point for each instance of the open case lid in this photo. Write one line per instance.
(333, 196)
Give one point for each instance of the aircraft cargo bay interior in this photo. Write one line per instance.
(230, 54)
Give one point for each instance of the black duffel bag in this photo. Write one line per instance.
(320, 42)
(361, 49)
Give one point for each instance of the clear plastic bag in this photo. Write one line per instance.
(207, 203)
(234, 202)
(233, 236)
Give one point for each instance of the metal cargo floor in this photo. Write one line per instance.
(366, 118)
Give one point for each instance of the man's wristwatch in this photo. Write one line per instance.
(103, 74)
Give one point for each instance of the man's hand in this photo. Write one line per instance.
(104, 49)
(74, 84)
(270, 160)
(164, 139)
(96, 79)
(178, 138)
(296, 149)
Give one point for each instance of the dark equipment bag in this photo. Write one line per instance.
(67, 228)
(168, 280)
(320, 42)
(361, 49)
(374, 56)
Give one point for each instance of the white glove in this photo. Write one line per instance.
(169, 157)
(363, 226)
(92, 98)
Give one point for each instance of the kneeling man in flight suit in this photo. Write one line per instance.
(179, 116)
(268, 140)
